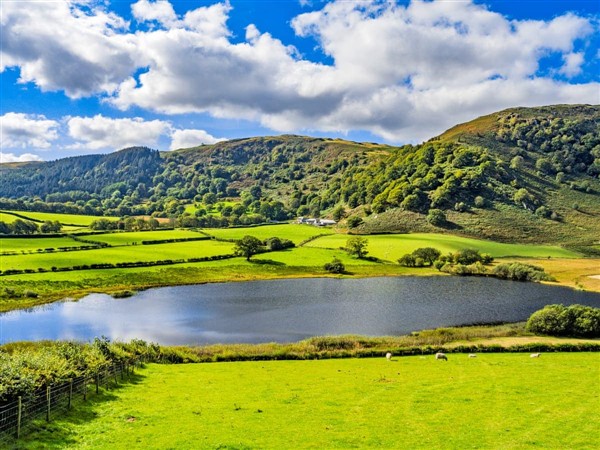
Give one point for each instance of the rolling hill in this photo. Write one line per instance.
(523, 174)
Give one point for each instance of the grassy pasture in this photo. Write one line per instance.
(136, 237)
(390, 247)
(311, 257)
(294, 232)
(495, 401)
(177, 250)
(71, 219)
(14, 244)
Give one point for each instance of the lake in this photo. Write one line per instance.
(287, 310)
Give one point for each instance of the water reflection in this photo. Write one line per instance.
(287, 310)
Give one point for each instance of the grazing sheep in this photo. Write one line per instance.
(441, 356)
(388, 356)
(535, 355)
(472, 355)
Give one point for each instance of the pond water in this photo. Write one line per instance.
(287, 310)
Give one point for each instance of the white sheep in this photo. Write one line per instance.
(535, 355)
(472, 355)
(388, 356)
(441, 355)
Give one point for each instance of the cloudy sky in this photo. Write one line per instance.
(93, 76)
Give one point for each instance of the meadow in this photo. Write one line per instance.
(294, 232)
(66, 219)
(390, 247)
(133, 253)
(37, 243)
(494, 401)
(136, 237)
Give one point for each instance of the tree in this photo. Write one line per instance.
(338, 213)
(428, 254)
(335, 266)
(436, 217)
(209, 199)
(357, 246)
(354, 221)
(247, 247)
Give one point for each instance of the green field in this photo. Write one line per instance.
(390, 247)
(27, 244)
(177, 250)
(68, 219)
(136, 237)
(294, 232)
(494, 401)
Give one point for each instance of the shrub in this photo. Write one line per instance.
(436, 217)
(354, 221)
(335, 266)
(521, 272)
(558, 320)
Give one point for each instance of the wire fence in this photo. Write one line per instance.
(18, 416)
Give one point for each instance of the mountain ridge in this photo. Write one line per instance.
(532, 164)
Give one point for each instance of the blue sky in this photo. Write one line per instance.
(92, 76)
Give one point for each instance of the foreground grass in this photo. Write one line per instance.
(495, 401)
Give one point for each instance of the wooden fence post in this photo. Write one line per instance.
(85, 388)
(48, 403)
(70, 392)
(19, 412)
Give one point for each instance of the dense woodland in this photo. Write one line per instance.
(518, 158)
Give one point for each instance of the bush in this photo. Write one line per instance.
(354, 221)
(436, 217)
(558, 320)
(521, 272)
(335, 266)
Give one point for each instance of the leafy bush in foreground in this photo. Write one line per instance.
(560, 320)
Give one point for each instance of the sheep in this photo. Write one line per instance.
(472, 355)
(535, 355)
(388, 356)
(441, 355)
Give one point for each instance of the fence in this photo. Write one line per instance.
(55, 399)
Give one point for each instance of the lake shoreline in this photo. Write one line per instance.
(250, 272)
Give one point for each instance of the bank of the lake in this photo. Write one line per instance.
(289, 310)
(48, 288)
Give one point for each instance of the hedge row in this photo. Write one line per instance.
(168, 241)
(121, 265)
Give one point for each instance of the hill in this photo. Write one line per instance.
(523, 174)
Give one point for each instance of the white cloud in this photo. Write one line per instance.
(11, 157)
(572, 66)
(403, 72)
(101, 132)
(191, 138)
(160, 11)
(27, 131)
(69, 45)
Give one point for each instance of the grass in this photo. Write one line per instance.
(495, 401)
(176, 250)
(294, 232)
(67, 219)
(390, 247)
(32, 244)
(129, 238)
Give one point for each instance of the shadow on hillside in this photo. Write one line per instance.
(61, 431)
